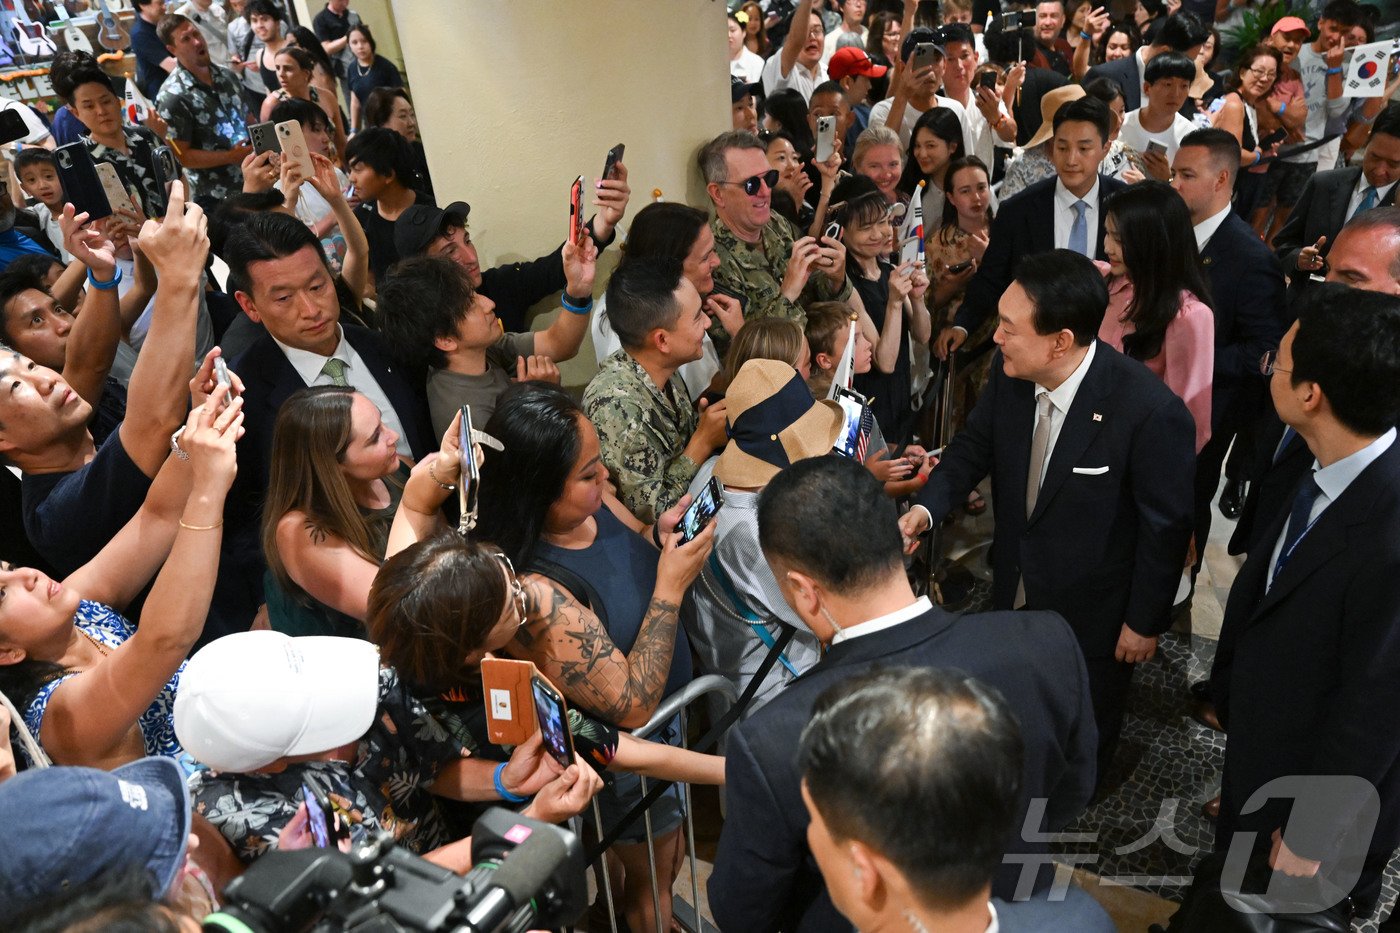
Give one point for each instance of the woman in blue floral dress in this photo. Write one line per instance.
(94, 689)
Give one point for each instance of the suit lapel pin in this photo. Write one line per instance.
(1098, 417)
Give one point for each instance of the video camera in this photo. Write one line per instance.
(525, 875)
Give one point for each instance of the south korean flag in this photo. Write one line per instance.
(1369, 68)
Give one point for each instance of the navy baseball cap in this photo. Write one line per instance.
(65, 826)
(739, 89)
(421, 224)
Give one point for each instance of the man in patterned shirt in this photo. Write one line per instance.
(652, 440)
(760, 263)
(204, 108)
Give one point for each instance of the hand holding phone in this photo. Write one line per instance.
(327, 827)
(553, 717)
(469, 477)
(826, 138)
(701, 512)
(988, 80)
(610, 164)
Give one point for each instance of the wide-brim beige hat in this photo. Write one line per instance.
(773, 423)
(1049, 105)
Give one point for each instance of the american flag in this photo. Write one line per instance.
(867, 427)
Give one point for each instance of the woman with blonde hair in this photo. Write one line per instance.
(879, 157)
(766, 338)
(333, 489)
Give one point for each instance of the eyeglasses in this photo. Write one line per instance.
(1265, 75)
(1267, 367)
(754, 184)
(517, 591)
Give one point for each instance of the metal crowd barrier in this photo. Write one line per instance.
(686, 913)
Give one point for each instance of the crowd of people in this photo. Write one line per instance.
(256, 559)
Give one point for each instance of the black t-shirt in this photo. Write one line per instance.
(888, 393)
(381, 73)
(71, 516)
(383, 253)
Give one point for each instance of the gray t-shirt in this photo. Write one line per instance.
(449, 391)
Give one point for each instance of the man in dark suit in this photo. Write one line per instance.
(1064, 212)
(919, 851)
(1182, 32)
(831, 537)
(1331, 199)
(1092, 460)
(279, 276)
(1365, 255)
(1307, 672)
(1246, 294)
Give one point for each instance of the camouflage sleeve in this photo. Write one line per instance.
(820, 287)
(763, 295)
(649, 479)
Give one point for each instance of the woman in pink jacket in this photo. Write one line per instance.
(1158, 310)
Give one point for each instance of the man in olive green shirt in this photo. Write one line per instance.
(772, 274)
(652, 439)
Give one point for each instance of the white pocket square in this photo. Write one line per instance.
(1091, 471)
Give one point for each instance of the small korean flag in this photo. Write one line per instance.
(1366, 75)
(136, 107)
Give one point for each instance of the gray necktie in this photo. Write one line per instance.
(336, 370)
(1040, 445)
(1079, 232)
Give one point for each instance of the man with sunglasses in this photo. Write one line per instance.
(760, 262)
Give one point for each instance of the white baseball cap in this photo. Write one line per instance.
(247, 699)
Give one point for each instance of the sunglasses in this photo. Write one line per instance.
(517, 591)
(754, 185)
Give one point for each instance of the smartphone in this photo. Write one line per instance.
(221, 377)
(833, 231)
(701, 511)
(826, 137)
(909, 249)
(118, 198)
(263, 137)
(293, 145)
(1010, 21)
(614, 157)
(854, 434)
(81, 185)
(925, 53)
(469, 481)
(1154, 146)
(1274, 138)
(509, 700)
(327, 828)
(988, 79)
(553, 718)
(960, 268)
(576, 211)
(12, 126)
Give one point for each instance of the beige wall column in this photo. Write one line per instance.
(517, 97)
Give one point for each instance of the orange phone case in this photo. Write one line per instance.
(510, 704)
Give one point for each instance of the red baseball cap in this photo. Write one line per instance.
(853, 61)
(1290, 24)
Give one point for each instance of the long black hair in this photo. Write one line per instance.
(1159, 250)
(942, 123)
(538, 424)
(789, 108)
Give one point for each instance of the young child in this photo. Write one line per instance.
(1166, 85)
(38, 176)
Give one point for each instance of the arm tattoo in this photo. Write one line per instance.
(571, 646)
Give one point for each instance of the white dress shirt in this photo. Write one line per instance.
(1061, 398)
(1064, 215)
(1359, 191)
(915, 609)
(357, 372)
(1333, 481)
(1206, 228)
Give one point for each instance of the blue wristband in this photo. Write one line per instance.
(506, 795)
(108, 285)
(570, 304)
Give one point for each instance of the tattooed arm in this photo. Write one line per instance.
(571, 647)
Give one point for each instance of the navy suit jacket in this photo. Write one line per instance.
(1125, 72)
(1307, 672)
(1024, 226)
(765, 877)
(269, 380)
(1247, 296)
(1321, 211)
(1108, 537)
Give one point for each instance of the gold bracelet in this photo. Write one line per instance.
(184, 524)
(432, 472)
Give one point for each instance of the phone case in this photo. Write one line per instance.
(576, 210)
(12, 126)
(81, 186)
(510, 704)
(826, 137)
(558, 740)
(294, 146)
(118, 198)
(614, 157)
(263, 138)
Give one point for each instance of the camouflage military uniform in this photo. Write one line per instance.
(643, 432)
(757, 274)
